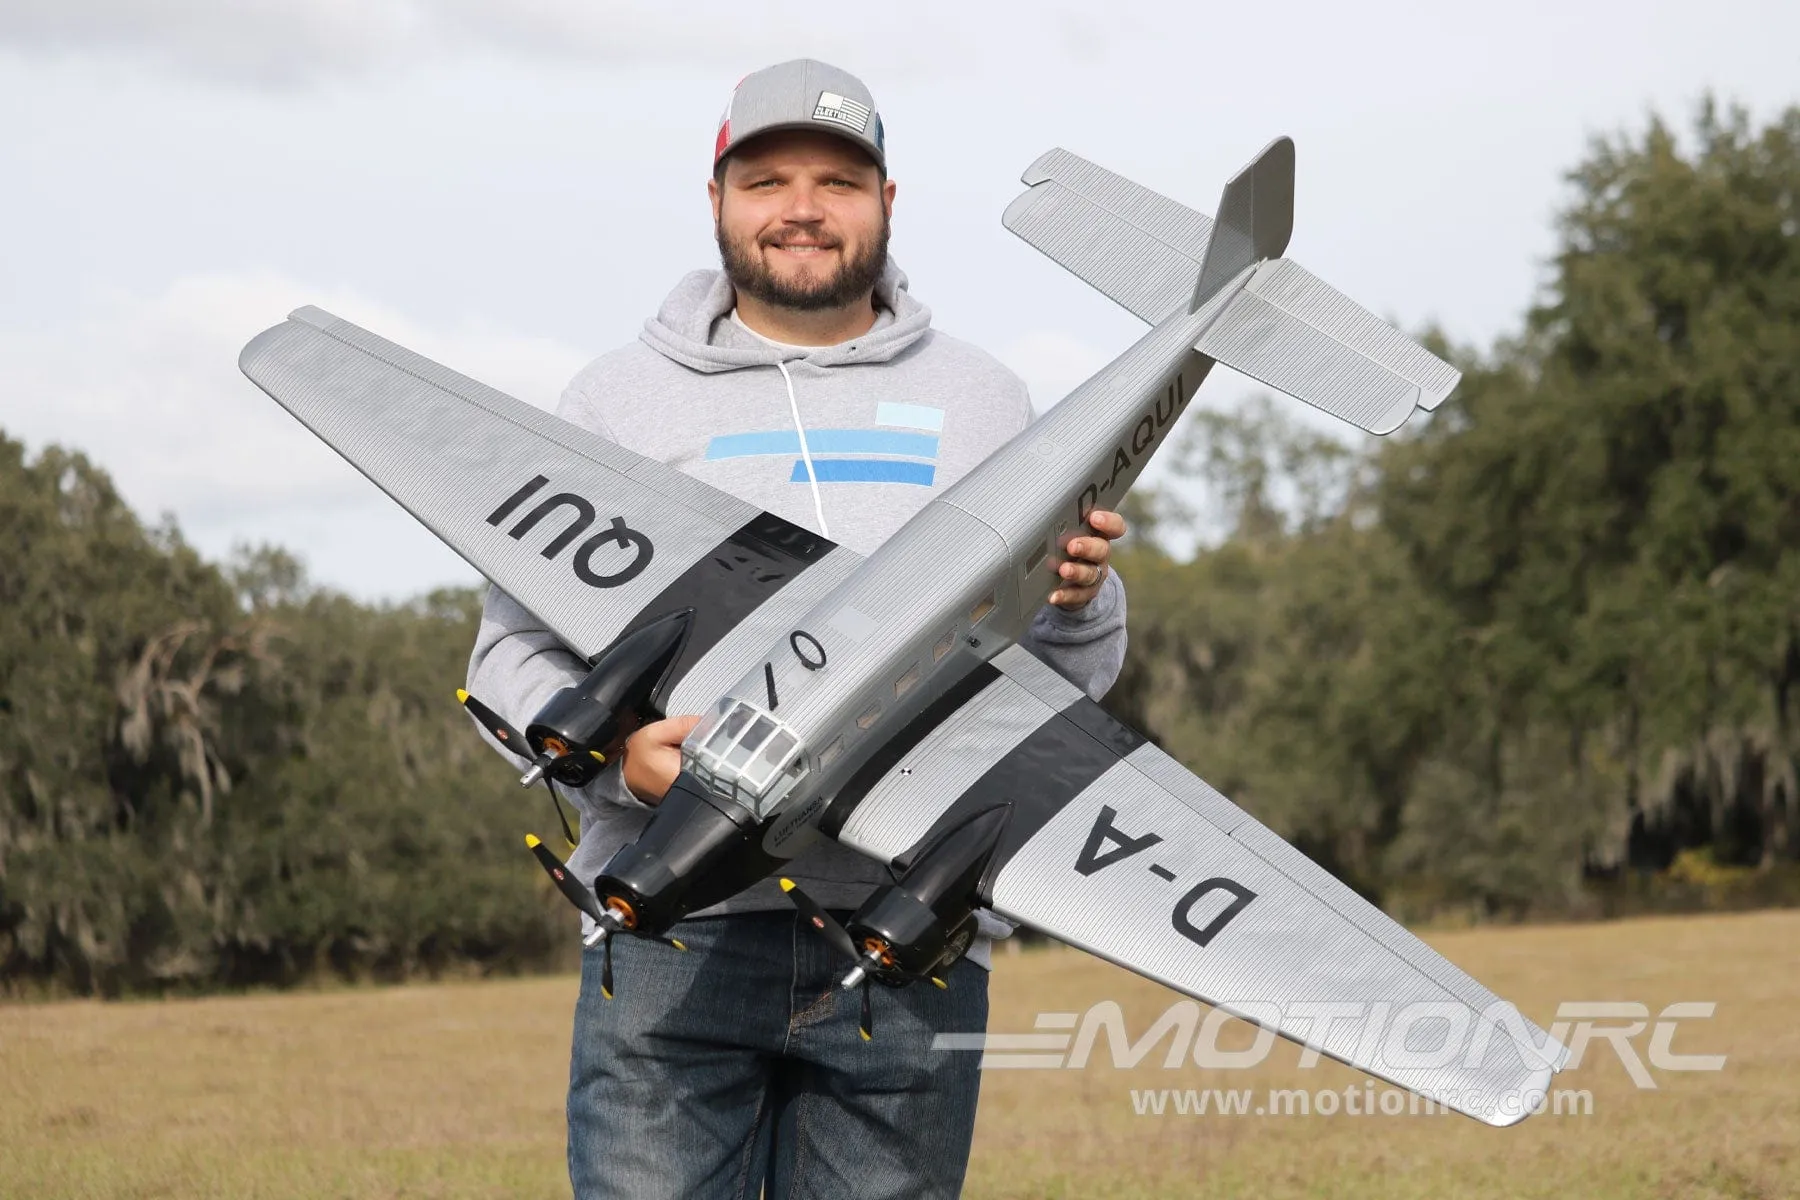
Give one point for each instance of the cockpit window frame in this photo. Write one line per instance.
(730, 751)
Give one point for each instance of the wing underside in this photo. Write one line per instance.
(587, 536)
(1113, 846)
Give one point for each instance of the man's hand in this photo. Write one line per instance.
(1086, 566)
(653, 757)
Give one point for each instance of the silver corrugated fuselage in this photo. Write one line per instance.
(961, 580)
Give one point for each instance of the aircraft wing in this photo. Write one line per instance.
(591, 538)
(1113, 846)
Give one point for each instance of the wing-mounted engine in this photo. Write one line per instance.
(1111, 845)
(581, 728)
(918, 926)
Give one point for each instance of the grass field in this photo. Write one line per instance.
(456, 1090)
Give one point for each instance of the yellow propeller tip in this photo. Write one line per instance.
(787, 885)
(531, 840)
(941, 984)
(606, 993)
(462, 697)
(865, 1034)
(678, 945)
(598, 757)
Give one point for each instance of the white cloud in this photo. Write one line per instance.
(293, 42)
(150, 390)
(278, 43)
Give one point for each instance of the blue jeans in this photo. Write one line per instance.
(735, 1070)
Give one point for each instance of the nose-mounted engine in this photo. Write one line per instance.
(704, 843)
(578, 731)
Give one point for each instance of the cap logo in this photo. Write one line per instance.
(841, 110)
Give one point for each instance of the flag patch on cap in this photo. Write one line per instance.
(843, 111)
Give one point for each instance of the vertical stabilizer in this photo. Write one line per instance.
(1256, 218)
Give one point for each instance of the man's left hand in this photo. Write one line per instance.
(1086, 567)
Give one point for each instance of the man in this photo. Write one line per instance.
(804, 378)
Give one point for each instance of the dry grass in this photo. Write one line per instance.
(1734, 1133)
(456, 1090)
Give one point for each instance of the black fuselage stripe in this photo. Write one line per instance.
(831, 822)
(1103, 727)
(1037, 779)
(728, 583)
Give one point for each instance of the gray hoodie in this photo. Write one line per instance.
(862, 433)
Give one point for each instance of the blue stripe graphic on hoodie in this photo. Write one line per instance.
(888, 441)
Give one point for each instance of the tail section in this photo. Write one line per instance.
(1275, 322)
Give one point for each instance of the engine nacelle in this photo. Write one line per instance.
(583, 727)
(922, 924)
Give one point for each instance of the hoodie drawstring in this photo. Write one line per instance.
(805, 454)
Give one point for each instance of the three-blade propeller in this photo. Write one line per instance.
(838, 938)
(607, 920)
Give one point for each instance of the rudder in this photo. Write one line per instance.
(1256, 218)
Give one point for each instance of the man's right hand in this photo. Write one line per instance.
(653, 757)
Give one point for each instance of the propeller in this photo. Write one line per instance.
(515, 741)
(566, 883)
(866, 961)
(608, 920)
(824, 922)
(496, 725)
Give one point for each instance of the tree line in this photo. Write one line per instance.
(215, 775)
(1536, 656)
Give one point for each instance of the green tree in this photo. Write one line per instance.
(1612, 508)
(224, 776)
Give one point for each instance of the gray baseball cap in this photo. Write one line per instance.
(802, 94)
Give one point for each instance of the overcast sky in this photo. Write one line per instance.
(511, 188)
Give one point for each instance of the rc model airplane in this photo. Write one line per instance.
(842, 698)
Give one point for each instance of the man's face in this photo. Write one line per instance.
(802, 220)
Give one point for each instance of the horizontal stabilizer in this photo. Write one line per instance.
(1292, 331)
(1139, 248)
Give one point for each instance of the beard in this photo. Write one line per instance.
(807, 291)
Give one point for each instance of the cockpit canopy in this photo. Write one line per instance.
(746, 754)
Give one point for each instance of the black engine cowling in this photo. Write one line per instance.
(584, 726)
